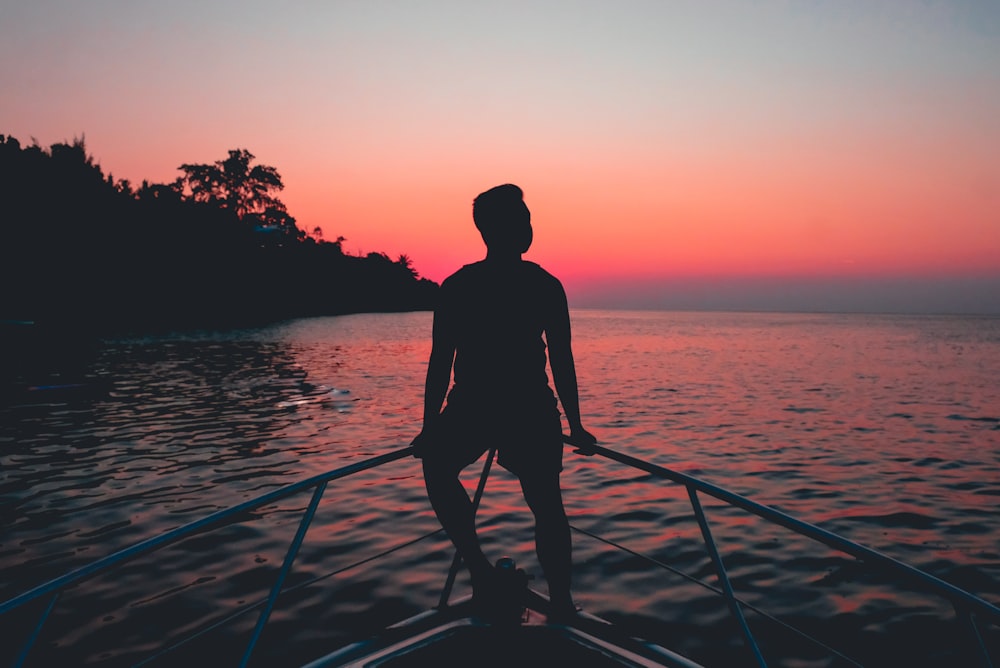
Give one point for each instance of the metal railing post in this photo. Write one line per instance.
(457, 559)
(970, 623)
(720, 569)
(293, 550)
(30, 642)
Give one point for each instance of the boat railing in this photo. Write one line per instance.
(970, 609)
(318, 483)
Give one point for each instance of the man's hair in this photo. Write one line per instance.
(499, 208)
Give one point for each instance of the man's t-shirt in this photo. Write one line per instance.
(496, 314)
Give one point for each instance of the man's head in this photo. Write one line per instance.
(503, 219)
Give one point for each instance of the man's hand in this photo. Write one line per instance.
(582, 439)
(420, 443)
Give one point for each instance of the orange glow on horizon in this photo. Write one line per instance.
(763, 142)
(746, 207)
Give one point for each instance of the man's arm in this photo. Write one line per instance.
(557, 335)
(438, 376)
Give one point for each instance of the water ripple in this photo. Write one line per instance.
(869, 426)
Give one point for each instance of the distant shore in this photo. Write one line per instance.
(87, 254)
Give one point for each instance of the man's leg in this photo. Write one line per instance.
(454, 510)
(552, 539)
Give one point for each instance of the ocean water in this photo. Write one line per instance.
(884, 429)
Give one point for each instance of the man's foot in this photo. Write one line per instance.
(484, 583)
(498, 594)
(484, 594)
(562, 610)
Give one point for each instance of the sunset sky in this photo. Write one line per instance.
(808, 155)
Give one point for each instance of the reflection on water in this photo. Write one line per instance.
(885, 429)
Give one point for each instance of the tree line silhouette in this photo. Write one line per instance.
(216, 247)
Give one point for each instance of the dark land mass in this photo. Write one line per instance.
(83, 251)
(84, 256)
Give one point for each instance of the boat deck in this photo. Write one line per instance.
(455, 636)
(523, 646)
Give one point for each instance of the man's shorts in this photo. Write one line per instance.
(527, 437)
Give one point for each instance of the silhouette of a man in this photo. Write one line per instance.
(489, 326)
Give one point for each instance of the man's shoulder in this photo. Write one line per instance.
(460, 285)
(543, 278)
(473, 275)
(537, 268)
(464, 274)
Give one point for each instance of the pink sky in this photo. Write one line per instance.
(654, 141)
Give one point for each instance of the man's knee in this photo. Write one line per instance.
(438, 469)
(544, 497)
